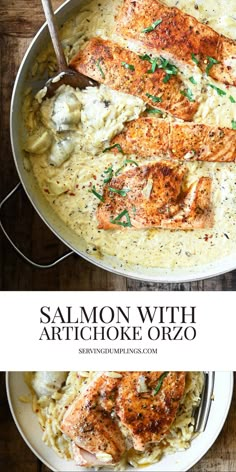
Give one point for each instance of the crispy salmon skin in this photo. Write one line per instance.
(155, 195)
(149, 136)
(180, 35)
(123, 70)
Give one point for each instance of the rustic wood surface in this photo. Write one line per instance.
(15, 456)
(19, 21)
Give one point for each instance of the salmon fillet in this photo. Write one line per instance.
(123, 70)
(149, 136)
(155, 196)
(149, 416)
(88, 422)
(115, 414)
(179, 35)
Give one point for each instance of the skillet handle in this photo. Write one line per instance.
(34, 264)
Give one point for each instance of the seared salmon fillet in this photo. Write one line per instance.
(149, 136)
(179, 35)
(88, 422)
(123, 70)
(114, 414)
(155, 196)
(149, 415)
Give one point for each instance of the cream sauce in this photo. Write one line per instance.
(85, 166)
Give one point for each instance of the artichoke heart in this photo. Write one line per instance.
(61, 151)
(39, 142)
(66, 112)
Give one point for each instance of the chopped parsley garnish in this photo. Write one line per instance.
(123, 192)
(194, 82)
(126, 162)
(118, 146)
(232, 99)
(169, 68)
(160, 63)
(128, 66)
(99, 68)
(152, 27)
(146, 57)
(98, 195)
(166, 78)
(211, 62)
(154, 111)
(195, 59)
(153, 61)
(154, 98)
(160, 382)
(189, 94)
(126, 223)
(218, 90)
(109, 173)
(233, 124)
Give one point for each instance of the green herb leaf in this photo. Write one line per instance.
(233, 124)
(194, 82)
(189, 94)
(160, 382)
(98, 195)
(99, 68)
(154, 98)
(145, 57)
(168, 66)
(152, 27)
(118, 146)
(154, 111)
(211, 62)
(218, 90)
(126, 223)
(128, 66)
(160, 63)
(195, 59)
(123, 192)
(166, 78)
(154, 63)
(109, 171)
(232, 99)
(127, 161)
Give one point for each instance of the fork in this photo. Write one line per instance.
(203, 411)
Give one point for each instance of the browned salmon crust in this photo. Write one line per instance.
(150, 136)
(156, 197)
(88, 421)
(178, 34)
(102, 61)
(149, 417)
(94, 420)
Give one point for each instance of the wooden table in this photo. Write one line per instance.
(19, 21)
(15, 456)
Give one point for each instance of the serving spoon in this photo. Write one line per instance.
(65, 76)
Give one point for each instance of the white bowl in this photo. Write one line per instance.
(27, 424)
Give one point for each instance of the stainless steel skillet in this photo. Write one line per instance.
(71, 240)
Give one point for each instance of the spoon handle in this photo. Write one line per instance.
(54, 33)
